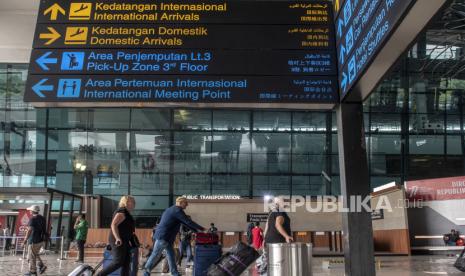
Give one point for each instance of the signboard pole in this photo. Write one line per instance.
(357, 227)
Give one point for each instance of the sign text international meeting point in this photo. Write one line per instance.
(209, 53)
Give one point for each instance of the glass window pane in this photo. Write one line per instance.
(190, 152)
(193, 119)
(453, 124)
(387, 144)
(271, 121)
(385, 123)
(150, 163)
(309, 121)
(68, 118)
(150, 118)
(454, 145)
(308, 163)
(271, 152)
(24, 140)
(421, 123)
(335, 185)
(22, 119)
(426, 144)
(110, 118)
(230, 152)
(153, 184)
(149, 141)
(231, 120)
(271, 185)
(334, 143)
(191, 184)
(66, 139)
(109, 142)
(308, 185)
(226, 184)
(115, 184)
(309, 143)
(150, 203)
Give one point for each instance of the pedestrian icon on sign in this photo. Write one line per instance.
(72, 61)
(69, 88)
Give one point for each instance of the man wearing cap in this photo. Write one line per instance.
(35, 237)
(166, 232)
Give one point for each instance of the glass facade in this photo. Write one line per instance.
(414, 122)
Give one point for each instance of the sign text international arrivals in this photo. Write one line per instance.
(207, 52)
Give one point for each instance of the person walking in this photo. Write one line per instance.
(35, 237)
(166, 232)
(257, 236)
(185, 237)
(81, 226)
(278, 225)
(213, 229)
(122, 237)
(250, 227)
(7, 234)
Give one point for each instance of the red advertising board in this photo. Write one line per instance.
(22, 222)
(436, 189)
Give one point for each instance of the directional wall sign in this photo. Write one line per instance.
(237, 12)
(197, 53)
(184, 36)
(362, 28)
(178, 88)
(152, 61)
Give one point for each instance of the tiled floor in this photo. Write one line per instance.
(386, 266)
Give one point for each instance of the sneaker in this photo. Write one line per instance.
(30, 274)
(42, 269)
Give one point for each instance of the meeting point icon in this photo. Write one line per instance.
(69, 88)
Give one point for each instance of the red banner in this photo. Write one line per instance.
(22, 222)
(436, 189)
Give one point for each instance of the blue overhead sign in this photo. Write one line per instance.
(362, 28)
(210, 53)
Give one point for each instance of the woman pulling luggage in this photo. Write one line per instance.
(122, 238)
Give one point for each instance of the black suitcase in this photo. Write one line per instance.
(460, 262)
(234, 262)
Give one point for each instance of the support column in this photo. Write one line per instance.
(357, 227)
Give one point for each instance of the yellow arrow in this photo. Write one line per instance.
(53, 10)
(52, 36)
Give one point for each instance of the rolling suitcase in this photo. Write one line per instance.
(234, 262)
(204, 256)
(206, 238)
(85, 270)
(107, 258)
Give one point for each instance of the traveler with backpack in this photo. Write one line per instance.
(35, 237)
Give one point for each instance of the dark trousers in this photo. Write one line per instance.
(121, 259)
(80, 246)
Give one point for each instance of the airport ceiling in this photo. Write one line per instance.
(19, 5)
(444, 56)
